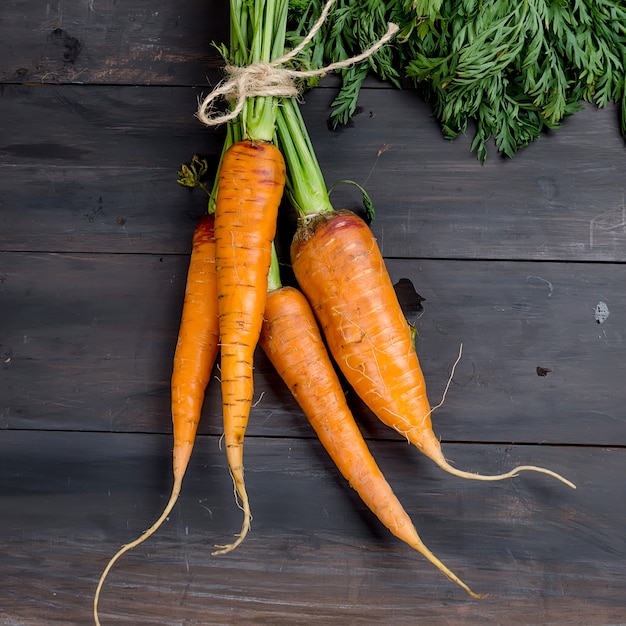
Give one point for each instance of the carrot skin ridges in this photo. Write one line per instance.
(293, 343)
(250, 189)
(194, 357)
(339, 267)
(197, 345)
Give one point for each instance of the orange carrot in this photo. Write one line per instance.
(293, 343)
(250, 188)
(338, 265)
(194, 357)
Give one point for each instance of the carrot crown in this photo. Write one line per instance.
(257, 35)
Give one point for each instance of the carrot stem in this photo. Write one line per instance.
(273, 278)
(257, 36)
(305, 185)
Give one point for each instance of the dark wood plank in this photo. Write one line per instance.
(87, 342)
(544, 553)
(108, 184)
(97, 104)
(103, 153)
(93, 126)
(513, 318)
(563, 197)
(132, 42)
(128, 210)
(75, 357)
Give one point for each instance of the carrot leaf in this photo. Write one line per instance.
(191, 175)
(509, 69)
(368, 205)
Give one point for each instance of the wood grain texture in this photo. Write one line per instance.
(563, 198)
(105, 41)
(544, 553)
(517, 260)
(111, 126)
(101, 365)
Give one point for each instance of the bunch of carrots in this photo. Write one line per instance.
(342, 314)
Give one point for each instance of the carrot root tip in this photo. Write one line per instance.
(229, 547)
(510, 474)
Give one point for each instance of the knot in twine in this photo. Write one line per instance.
(272, 79)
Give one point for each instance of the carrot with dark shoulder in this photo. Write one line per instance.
(293, 343)
(339, 267)
(196, 350)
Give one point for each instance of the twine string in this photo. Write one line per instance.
(272, 79)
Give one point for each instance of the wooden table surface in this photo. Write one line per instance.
(514, 259)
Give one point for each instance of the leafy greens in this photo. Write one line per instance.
(511, 67)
